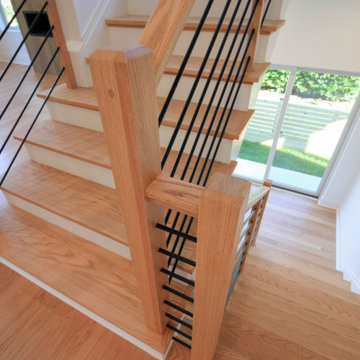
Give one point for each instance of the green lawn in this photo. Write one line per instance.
(285, 158)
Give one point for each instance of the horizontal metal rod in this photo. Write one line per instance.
(179, 308)
(176, 256)
(249, 217)
(182, 322)
(176, 232)
(179, 331)
(178, 293)
(177, 276)
(181, 342)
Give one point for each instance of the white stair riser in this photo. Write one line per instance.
(79, 230)
(96, 173)
(71, 165)
(75, 115)
(130, 36)
(186, 83)
(223, 155)
(90, 119)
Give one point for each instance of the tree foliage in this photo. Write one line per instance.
(314, 85)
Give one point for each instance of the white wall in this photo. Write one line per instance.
(349, 235)
(10, 42)
(85, 30)
(346, 165)
(320, 34)
(8, 46)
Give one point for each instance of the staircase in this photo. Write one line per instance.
(86, 220)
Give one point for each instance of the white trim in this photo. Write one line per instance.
(339, 262)
(123, 334)
(95, 21)
(340, 152)
(353, 279)
(280, 120)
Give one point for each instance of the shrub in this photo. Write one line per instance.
(314, 85)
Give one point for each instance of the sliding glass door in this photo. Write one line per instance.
(311, 115)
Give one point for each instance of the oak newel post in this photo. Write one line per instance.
(124, 80)
(221, 212)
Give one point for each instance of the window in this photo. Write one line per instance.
(7, 12)
(299, 118)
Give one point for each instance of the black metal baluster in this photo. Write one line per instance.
(205, 89)
(215, 92)
(227, 120)
(215, 135)
(265, 12)
(26, 72)
(184, 62)
(194, 87)
(28, 101)
(31, 126)
(23, 41)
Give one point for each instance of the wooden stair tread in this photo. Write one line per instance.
(95, 278)
(237, 122)
(136, 21)
(263, 253)
(89, 145)
(194, 63)
(84, 202)
(86, 98)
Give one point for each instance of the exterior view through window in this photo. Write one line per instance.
(298, 121)
(7, 12)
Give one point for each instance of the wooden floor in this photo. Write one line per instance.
(286, 304)
(289, 303)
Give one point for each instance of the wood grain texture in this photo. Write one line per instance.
(125, 87)
(60, 42)
(84, 202)
(222, 208)
(252, 75)
(163, 29)
(185, 197)
(90, 275)
(136, 21)
(175, 194)
(256, 27)
(293, 298)
(90, 146)
(36, 325)
(86, 98)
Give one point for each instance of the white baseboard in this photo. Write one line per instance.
(123, 334)
(350, 276)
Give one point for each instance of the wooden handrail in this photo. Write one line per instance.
(256, 25)
(185, 197)
(163, 29)
(175, 194)
(60, 42)
(125, 86)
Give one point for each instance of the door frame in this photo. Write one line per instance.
(279, 122)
